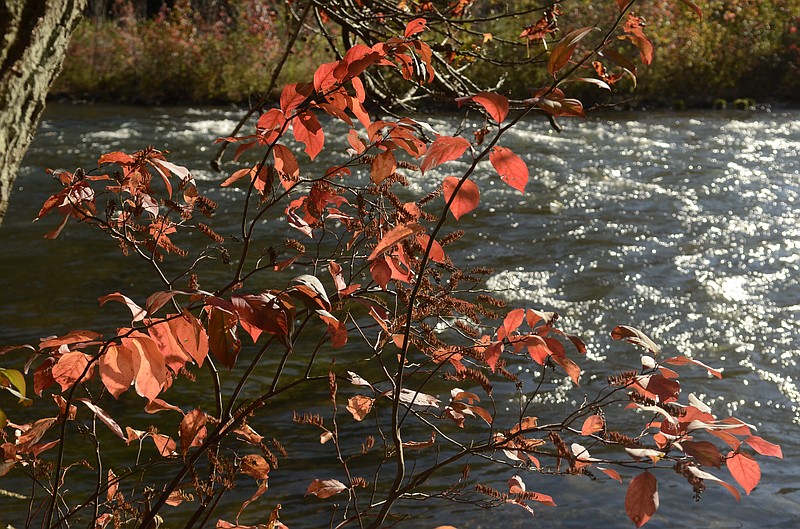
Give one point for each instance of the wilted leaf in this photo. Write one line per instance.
(104, 417)
(255, 466)
(192, 429)
(634, 336)
(359, 406)
(641, 500)
(325, 488)
(138, 312)
(563, 51)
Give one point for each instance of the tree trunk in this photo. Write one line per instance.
(35, 37)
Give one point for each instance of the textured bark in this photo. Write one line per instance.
(35, 34)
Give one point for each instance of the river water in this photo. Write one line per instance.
(686, 225)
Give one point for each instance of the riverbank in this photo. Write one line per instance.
(743, 53)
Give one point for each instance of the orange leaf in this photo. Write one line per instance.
(383, 166)
(466, 199)
(437, 252)
(70, 369)
(116, 369)
(763, 447)
(255, 466)
(634, 336)
(641, 500)
(359, 406)
(592, 425)
(510, 167)
(745, 471)
(443, 149)
(394, 236)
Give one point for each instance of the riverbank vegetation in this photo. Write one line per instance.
(224, 51)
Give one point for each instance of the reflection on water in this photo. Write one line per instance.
(685, 225)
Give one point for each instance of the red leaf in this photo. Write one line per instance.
(308, 131)
(492, 354)
(763, 447)
(325, 488)
(592, 425)
(418, 25)
(745, 471)
(466, 199)
(191, 336)
(495, 104)
(270, 124)
(383, 166)
(563, 51)
(324, 77)
(395, 235)
(443, 149)
(285, 162)
(293, 95)
(222, 340)
(706, 454)
(510, 167)
(683, 360)
(641, 500)
(381, 272)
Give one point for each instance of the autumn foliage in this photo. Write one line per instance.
(360, 303)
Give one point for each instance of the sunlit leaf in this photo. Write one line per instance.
(745, 470)
(512, 170)
(359, 406)
(325, 488)
(443, 149)
(466, 199)
(641, 499)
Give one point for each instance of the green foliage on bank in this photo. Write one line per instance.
(741, 49)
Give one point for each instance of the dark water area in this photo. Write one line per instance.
(686, 225)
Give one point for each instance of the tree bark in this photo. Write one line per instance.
(35, 37)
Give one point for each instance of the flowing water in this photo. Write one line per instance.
(685, 225)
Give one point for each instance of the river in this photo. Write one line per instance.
(686, 225)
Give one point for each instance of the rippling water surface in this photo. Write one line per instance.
(685, 225)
